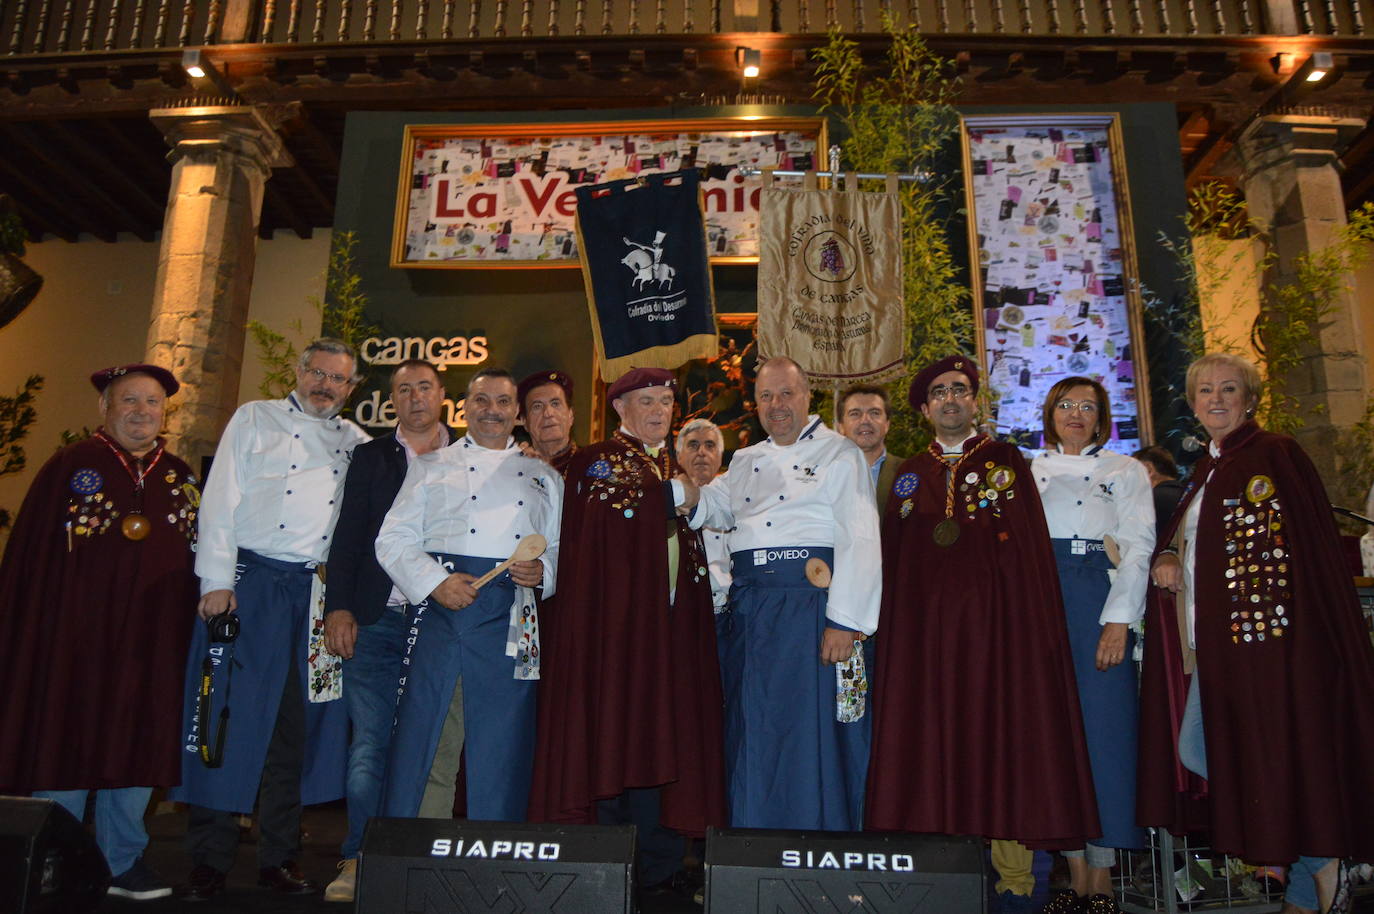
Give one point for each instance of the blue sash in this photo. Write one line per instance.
(1110, 700)
(274, 611)
(790, 764)
(498, 709)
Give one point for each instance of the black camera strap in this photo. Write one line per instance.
(215, 758)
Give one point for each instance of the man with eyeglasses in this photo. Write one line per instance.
(975, 651)
(266, 521)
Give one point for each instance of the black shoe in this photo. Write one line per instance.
(287, 879)
(139, 883)
(205, 883)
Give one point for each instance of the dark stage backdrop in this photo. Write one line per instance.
(528, 318)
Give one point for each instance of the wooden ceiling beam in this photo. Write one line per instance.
(282, 212)
(41, 192)
(39, 225)
(115, 216)
(113, 177)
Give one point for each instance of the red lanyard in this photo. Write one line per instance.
(118, 451)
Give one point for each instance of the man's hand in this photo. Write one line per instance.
(837, 645)
(527, 574)
(691, 494)
(1111, 647)
(1167, 572)
(340, 633)
(217, 602)
(456, 591)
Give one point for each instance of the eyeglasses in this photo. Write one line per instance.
(1083, 406)
(958, 392)
(320, 374)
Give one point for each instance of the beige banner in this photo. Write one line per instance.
(830, 280)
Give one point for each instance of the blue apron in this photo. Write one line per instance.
(274, 612)
(498, 709)
(1110, 700)
(790, 764)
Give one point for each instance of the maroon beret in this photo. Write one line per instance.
(539, 379)
(103, 378)
(919, 392)
(637, 378)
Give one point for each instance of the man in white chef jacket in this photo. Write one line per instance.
(266, 521)
(797, 731)
(471, 672)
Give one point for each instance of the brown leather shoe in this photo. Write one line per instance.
(287, 879)
(204, 883)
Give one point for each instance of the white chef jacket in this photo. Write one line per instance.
(466, 499)
(1097, 494)
(814, 492)
(274, 488)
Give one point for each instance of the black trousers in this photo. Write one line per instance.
(660, 849)
(212, 836)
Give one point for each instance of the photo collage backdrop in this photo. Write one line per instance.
(492, 199)
(1053, 270)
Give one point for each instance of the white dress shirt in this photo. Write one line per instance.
(717, 544)
(274, 488)
(815, 492)
(469, 500)
(396, 601)
(1094, 495)
(1189, 557)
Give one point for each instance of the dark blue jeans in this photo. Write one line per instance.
(371, 679)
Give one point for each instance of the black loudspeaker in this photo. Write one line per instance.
(792, 872)
(455, 866)
(48, 862)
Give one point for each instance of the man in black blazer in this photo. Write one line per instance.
(365, 616)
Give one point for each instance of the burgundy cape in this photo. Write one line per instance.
(95, 638)
(629, 691)
(977, 728)
(1289, 732)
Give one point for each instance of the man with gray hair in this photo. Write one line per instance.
(266, 520)
(700, 450)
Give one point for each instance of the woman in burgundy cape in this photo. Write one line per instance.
(1258, 668)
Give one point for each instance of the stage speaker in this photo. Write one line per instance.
(455, 866)
(48, 861)
(792, 872)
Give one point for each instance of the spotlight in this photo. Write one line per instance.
(1320, 63)
(748, 59)
(198, 66)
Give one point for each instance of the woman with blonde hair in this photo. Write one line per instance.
(1258, 668)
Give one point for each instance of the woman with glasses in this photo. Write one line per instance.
(1258, 669)
(1100, 511)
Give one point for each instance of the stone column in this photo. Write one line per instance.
(221, 157)
(1292, 185)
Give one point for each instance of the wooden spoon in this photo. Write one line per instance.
(818, 573)
(530, 548)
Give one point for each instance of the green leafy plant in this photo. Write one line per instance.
(13, 235)
(900, 118)
(343, 314)
(17, 415)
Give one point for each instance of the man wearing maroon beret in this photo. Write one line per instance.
(545, 399)
(629, 705)
(99, 593)
(974, 658)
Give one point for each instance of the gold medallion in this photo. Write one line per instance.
(1001, 478)
(135, 527)
(1259, 488)
(946, 532)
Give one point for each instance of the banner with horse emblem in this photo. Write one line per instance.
(644, 261)
(830, 279)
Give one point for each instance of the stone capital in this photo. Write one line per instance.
(1308, 139)
(248, 132)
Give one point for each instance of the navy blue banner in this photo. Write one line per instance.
(643, 248)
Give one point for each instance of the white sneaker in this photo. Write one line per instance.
(345, 884)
